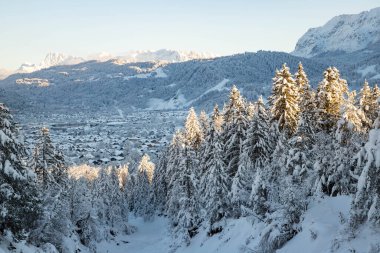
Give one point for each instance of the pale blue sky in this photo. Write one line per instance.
(31, 28)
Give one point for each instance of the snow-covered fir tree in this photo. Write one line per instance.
(250, 110)
(215, 197)
(217, 119)
(235, 125)
(108, 198)
(302, 82)
(172, 174)
(143, 191)
(48, 162)
(204, 122)
(335, 166)
(366, 203)
(256, 151)
(147, 166)
(19, 202)
(51, 169)
(375, 104)
(330, 97)
(366, 102)
(160, 187)
(193, 130)
(284, 101)
(188, 217)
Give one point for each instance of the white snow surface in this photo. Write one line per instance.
(323, 220)
(346, 33)
(219, 87)
(157, 73)
(151, 236)
(243, 235)
(178, 101)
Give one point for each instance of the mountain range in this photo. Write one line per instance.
(57, 59)
(342, 34)
(170, 80)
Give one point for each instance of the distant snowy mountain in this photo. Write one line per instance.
(162, 55)
(4, 73)
(50, 60)
(342, 34)
(55, 59)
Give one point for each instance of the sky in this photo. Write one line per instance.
(29, 29)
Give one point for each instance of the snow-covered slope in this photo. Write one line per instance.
(344, 33)
(323, 227)
(95, 86)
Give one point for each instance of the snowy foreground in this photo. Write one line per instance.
(322, 231)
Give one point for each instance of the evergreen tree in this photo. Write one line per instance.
(234, 130)
(284, 101)
(250, 110)
(217, 120)
(375, 104)
(365, 100)
(255, 153)
(83, 212)
(108, 196)
(307, 103)
(204, 122)
(213, 129)
(215, 182)
(143, 189)
(51, 169)
(352, 120)
(187, 219)
(193, 130)
(302, 83)
(366, 203)
(331, 95)
(123, 176)
(172, 175)
(48, 162)
(147, 166)
(160, 188)
(19, 202)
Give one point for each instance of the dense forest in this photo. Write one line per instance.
(265, 159)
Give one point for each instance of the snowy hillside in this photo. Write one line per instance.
(345, 33)
(95, 86)
(321, 225)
